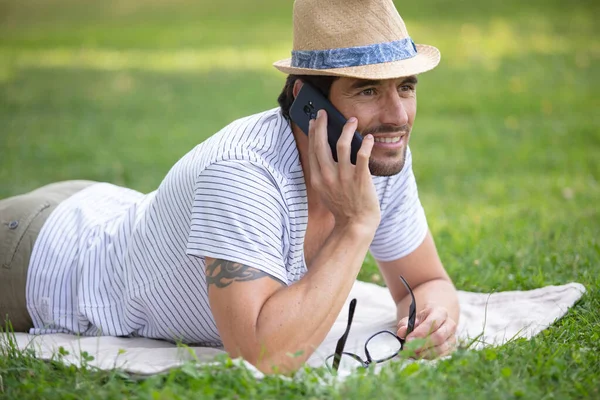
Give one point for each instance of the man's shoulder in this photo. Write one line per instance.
(245, 132)
(256, 141)
(255, 122)
(264, 139)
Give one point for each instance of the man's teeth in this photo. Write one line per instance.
(388, 139)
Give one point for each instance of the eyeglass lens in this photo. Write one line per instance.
(380, 347)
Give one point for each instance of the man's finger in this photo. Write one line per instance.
(401, 332)
(434, 319)
(315, 168)
(402, 322)
(402, 327)
(322, 149)
(364, 154)
(344, 146)
(438, 336)
(441, 350)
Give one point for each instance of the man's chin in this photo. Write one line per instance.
(385, 168)
(388, 165)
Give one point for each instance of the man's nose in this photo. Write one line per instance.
(394, 111)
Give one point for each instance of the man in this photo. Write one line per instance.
(254, 239)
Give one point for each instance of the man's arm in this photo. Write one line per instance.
(435, 295)
(265, 322)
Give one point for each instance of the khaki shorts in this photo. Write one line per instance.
(21, 219)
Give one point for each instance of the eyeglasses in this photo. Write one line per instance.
(380, 347)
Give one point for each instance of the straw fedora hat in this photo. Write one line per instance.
(364, 39)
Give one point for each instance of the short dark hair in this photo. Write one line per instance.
(286, 98)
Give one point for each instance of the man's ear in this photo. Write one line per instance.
(297, 86)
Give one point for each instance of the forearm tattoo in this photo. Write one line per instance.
(223, 273)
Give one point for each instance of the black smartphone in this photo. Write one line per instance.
(305, 107)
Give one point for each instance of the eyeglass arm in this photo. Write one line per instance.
(412, 309)
(339, 348)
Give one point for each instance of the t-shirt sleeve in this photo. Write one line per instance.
(403, 224)
(239, 215)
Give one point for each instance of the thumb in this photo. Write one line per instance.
(402, 327)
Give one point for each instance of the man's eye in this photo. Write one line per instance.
(368, 92)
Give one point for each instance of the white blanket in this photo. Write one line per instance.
(492, 318)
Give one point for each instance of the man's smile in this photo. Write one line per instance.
(394, 141)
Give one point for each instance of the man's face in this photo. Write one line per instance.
(386, 109)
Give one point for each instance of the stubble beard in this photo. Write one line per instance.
(388, 163)
(388, 167)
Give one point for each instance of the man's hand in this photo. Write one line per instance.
(346, 190)
(437, 328)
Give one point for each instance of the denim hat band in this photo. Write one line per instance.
(355, 56)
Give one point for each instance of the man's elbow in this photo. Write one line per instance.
(269, 362)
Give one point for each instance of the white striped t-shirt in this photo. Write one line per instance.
(112, 261)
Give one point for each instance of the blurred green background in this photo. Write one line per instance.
(506, 143)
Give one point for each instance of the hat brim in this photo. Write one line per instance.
(427, 58)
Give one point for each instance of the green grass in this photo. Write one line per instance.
(506, 151)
